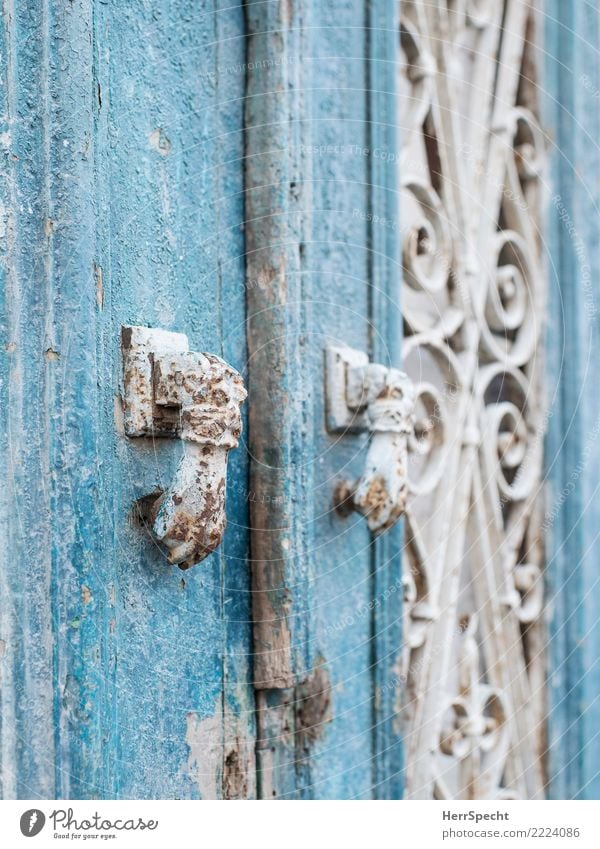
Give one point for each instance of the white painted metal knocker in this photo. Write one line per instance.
(368, 396)
(170, 391)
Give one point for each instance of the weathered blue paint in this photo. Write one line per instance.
(327, 600)
(277, 414)
(173, 246)
(27, 694)
(385, 272)
(124, 192)
(338, 269)
(573, 448)
(355, 274)
(50, 399)
(121, 203)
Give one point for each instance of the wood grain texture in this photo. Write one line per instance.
(274, 225)
(52, 675)
(279, 381)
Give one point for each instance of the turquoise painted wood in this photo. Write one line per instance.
(354, 269)
(121, 202)
(573, 448)
(327, 600)
(386, 333)
(212, 169)
(127, 196)
(338, 269)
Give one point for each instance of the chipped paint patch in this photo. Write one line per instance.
(204, 739)
(119, 415)
(3, 221)
(238, 771)
(239, 763)
(99, 286)
(159, 142)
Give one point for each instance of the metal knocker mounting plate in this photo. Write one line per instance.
(170, 391)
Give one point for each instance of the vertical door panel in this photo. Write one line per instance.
(122, 192)
(175, 260)
(572, 514)
(320, 650)
(340, 267)
(53, 645)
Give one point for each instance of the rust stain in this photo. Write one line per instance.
(239, 763)
(235, 776)
(313, 705)
(342, 498)
(375, 498)
(170, 391)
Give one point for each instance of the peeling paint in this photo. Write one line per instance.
(119, 416)
(204, 738)
(238, 768)
(313, 705)
(99, 286)
(126, 224)
(160, 142)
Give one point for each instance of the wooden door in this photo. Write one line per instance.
(159, 170)
(273, 180)
(122, 203)
(323, 269)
